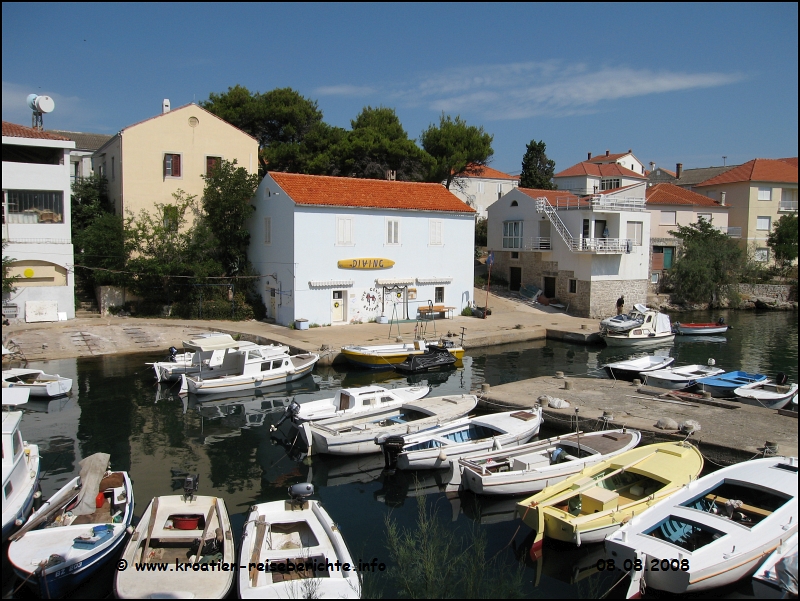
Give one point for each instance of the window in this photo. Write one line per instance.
(761, 255)
(481, 188)
(514, 203)
(609, 184)
(344, 231)
(515, 255)
(18, 446)
(763, 223)
(172, 165)
(788, 199)
(392, 231)
(211, 163)
(171, 218)
(654, 278)
(435, 229)
(512, 234)
(267, 231)
(573, 286)
(499, 191)
(438, 294)
(635, 232)
(35, 206)
(705, 216)
(667, 218)
(765, 194)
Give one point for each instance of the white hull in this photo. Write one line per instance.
(612, 340)
(298, 367)
(37, 382)
(766, 394)
(679, 377)
(359, 400)
(687, 330)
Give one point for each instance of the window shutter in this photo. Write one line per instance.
(267, 230)
(165, 165)
(176, 165)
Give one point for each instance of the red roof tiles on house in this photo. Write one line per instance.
(670, 194)
(554, 197)
(489, 173)
(12, 130)
(790, 160)
(607, 157)
(587, 168)
(368, 193)
(757, 170)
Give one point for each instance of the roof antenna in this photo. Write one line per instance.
(723, 160)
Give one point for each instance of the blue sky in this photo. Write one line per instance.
(676, 83)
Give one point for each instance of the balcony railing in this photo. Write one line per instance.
(733, 232)
(602, 245)
(538, 244)
(788, 206)
(598, 203)
(15, 240)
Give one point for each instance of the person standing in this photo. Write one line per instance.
(620, 304)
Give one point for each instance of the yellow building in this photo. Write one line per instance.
(147, 162)
(758, 192)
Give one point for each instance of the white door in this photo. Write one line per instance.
(337, 306)
(271, 304)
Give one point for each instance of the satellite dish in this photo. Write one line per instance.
(44, 104)
(31, 101)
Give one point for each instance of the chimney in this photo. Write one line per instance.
(391, 175)
(630, 150)
(678, 170)
(165, 106)
(590, 157)
(722, 198)
(608, 152)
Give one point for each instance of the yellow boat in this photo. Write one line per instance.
(597, 501)
(388, 355)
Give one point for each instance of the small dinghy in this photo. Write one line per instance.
(713, 531)
(679, 378)
(529, 468)
(438, 447)
(723, 385)
(294, 550)
(701, 329)
(20, 464)
(186, 538)
(38, 382)
(769, 394)
(434, 357)
(352, 401)
(73, 534)
(630, 369)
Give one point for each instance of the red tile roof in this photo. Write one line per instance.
(611, 157)
(757, 170)
(670, 194)
(790, 160)
(12, 130)
(554, 197)
(368, 193)
(610, 170)
(489, 173)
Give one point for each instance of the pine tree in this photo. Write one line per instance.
(537, 169)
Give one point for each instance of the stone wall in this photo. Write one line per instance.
(604, 295)
(781, 292)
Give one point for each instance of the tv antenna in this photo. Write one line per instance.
(39, 105)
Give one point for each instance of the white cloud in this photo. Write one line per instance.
(70, 111)
(522, 90)
(344, 90)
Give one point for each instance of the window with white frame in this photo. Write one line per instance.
(667, 218)
(172, 165)
(761, 255)
(438, 294)
(654, 277)
(512, 234)
(763, 223)
(344, 231)
(610, 184)
(765, 194)
(635, 229)
(392, 231)
(705, 216)
(789, 199)
(435, 232)
(267, 231)
(481, 188)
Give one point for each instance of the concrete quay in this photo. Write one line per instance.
(511, 321)
(729, 432)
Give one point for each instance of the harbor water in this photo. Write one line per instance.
(117, 408)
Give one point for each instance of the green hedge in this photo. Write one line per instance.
(213, 309)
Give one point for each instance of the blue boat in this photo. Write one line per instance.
(723, 385)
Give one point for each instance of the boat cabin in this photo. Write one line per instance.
(14, 469)
(362, 397)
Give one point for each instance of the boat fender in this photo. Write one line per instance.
(442, 456)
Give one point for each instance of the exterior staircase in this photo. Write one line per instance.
(87, 308)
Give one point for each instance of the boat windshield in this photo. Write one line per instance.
(684, 533)
(745, 505)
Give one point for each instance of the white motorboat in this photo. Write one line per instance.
(634, 368)
(201, 352)
(20, 465)
(439, 447)
(294, 550)
(655, 329)
(713, 531)
(532, 467)
(624, 322)
(38, 382)
(353, 401)
(76, 532)
(354, 435)
(778, 573)
(767, 393)
(248, 369)
(179, 535)
(679, 378)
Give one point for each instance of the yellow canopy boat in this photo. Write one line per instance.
(595, 502)
(388, 355)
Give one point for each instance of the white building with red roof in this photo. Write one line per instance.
(482, 187)
(36, 223)
(338, 250)
(601, 173)
(582, 252)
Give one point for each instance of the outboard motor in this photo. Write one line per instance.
(173, 354)
(300, 492)
(291, 412)
(190, 484)
(721, 321)
(781, 378)
(391, 446)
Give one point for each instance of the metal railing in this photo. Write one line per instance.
(15, 240)
(598, 203)
(592, 245)
(538, 244)
(788, 205)
(733, 232)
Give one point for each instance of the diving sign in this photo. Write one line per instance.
(366, 263)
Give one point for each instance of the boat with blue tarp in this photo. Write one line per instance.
(723, 385)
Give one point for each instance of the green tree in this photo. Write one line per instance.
(102, 252)
(537, 169)
(9, 281)
(377, 144)
(227, 206)
(783, 241)
(481, 231)
(709, 264)
(457, 149)
(89, 200)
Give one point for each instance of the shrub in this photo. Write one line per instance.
(466, 312)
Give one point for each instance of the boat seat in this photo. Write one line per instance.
(530, 461)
